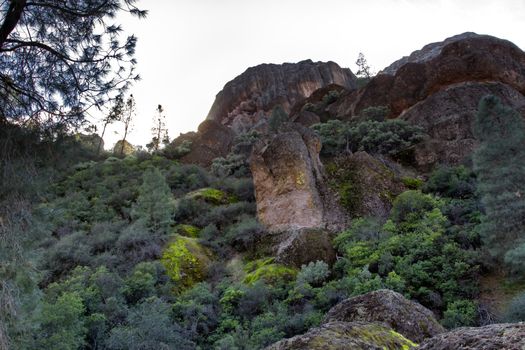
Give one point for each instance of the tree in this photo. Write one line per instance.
(364, 69)
(57, 59)
(159, 130)
(127, 116)
(500, 166)
(114, 115)
(154, 203)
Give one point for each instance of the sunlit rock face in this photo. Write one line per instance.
(248, 99)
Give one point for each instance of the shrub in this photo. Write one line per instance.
(460, 313)
(245, 234)
(315, 273)
(411, 205)
(516, 310)
(268, 271)
(454, 182)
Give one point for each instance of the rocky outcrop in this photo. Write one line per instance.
(491, 337)
(447, 118)
(123, 148)
(406, 317)
(249, 99)
(289, 182)
(211, 141)
(365, 186)
(465, 58)
(345, 335)
(300, 247)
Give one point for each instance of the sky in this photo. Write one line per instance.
(189, 49)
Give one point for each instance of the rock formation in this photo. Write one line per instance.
(211, 141)
(249, 98)
(289, 181)
(447, 117)
(406, 317)
(491, 337)
(464, 58)
(346, 335)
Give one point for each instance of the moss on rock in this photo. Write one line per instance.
(186, 261)
(188, 230)
(212, 196)
(269, 271)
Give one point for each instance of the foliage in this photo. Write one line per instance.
(154, 202)
(315, 273)
(501, 132)
(412, 183)
(515, 311)
(364, 69)
(269, 271)
(460, 313)
(277, 118)
(55, 59)
(387, 137)
(453, 182)
(173, 151)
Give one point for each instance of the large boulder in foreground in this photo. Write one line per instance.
(492, 337)
(250, 97)
(345, 335)
(409, 318)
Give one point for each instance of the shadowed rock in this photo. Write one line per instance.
(409, 318)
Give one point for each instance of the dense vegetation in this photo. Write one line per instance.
(142, 252)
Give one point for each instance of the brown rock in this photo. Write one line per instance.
(123, 148)
(492, 337)
(410, 319)
(250, 97)
(289, 182)
(301, 247)
(306, 118)
(211, 141)
(343, 336)
(469, 57)
(447, 118)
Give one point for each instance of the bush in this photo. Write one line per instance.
(315, 273)
(454, 182)
(516, 310)
(411, 205)
(245, 234)
(460, 313)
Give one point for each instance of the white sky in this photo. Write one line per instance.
(188, 49)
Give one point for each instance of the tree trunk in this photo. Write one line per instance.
(12, 17)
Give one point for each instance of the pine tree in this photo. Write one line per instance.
(159, 130)
(155, 202)
(500, 166)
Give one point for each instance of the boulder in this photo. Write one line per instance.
(447, 117)
(251, 96)
(300, 247)
(492, 337)
(346, 335)
(409, 318)
(469, 57)
(289, 182)
(123, 148)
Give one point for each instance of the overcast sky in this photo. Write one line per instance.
(188, 49)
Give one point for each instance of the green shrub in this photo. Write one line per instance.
(268, 271)
(454, 182)
(460, 313)
(315, 273)
(411, 205)
(412, 183)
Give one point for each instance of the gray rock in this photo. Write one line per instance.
(411, 319)
(492, 337)
(344, 336)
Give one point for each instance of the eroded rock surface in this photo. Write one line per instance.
(409, 318)
(346, 335)
(251, 96)
(491, 337)
(211, 141)
(289, 182)
(471, 57)
(300, 247)
(447, 117)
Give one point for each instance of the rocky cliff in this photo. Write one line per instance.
(249, 98)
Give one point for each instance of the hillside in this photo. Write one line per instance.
(305, 213)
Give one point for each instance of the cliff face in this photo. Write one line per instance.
(250, 97)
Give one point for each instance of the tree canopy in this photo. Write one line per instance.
(60, 58)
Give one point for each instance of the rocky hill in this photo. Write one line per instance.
(250, 97)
